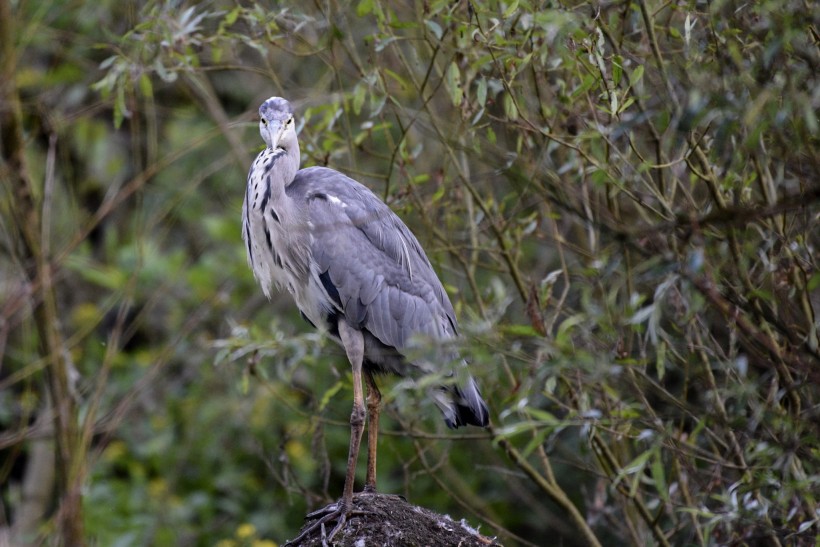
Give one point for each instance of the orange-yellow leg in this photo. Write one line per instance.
(374, 400)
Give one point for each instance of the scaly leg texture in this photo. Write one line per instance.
(353, 343)
(374, 399)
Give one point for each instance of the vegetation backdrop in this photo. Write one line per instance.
(621, 198)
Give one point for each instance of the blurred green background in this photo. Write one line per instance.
(620, 197)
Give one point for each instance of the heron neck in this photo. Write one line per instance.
(288, 163)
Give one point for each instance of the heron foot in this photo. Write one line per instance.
(333, 507)
(335, 512)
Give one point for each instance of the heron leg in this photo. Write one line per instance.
(374, 399)
(353, 342)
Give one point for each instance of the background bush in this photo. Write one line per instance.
(621, 198)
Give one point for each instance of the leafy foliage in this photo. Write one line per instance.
(621, 198)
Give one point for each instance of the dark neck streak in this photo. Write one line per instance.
(269, 166)
(279, 165)
(281, 213)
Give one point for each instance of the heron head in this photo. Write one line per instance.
(276, 123)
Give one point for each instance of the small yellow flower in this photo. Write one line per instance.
(157, 488)
(246, 531)
(264, 543)
(114, 451)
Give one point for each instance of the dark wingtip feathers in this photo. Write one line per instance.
(468, 408)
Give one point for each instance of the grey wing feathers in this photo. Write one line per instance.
(384, 280)
(376, 274)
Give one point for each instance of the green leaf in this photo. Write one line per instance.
(365, 7)
(659, 476)
(617, 69)
(511, 9)
(642, 315)
(453, 80)
(359, 95)
(397, 78)
(381, 44)
(569, 323)
(510, 109)
(635, 467)
(660, 360)
(536, 441)
(636, 75)
(542, 416)
(328, 395)
(232, 16)
(120, 110)
(481, 92)
(146, 88)
(626, 104)
(814, 282)
(439, 194)
(520, 330)
(435, 28)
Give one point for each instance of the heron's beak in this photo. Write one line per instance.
(275, 131)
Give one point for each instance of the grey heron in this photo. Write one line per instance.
(354, 269)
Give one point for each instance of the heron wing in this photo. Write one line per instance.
(369, 263)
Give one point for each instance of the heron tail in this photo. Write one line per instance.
(463, 405)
